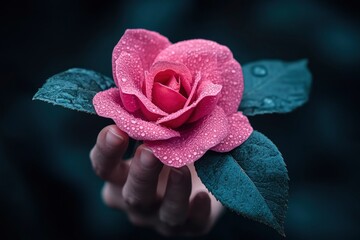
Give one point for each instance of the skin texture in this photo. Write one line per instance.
(172, 201)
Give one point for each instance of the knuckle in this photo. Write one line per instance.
(173, 207)
(131, 200)
(136, 220)
(172, 218)
(100, 170)
(108, 198)
(141, 179)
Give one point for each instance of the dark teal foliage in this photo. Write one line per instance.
(273, 86)
(251, 180)
(74, 89)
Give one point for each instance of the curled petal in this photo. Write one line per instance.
(193, 93)
(178, 118)
(204, 105)
(216, 64)
(129, 76)
(206, 102)
(196, 55)
(240, 130)
(161, 66)
(167, 99)
(108, 104)
(193, 142)
(140, 42)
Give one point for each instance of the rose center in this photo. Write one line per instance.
(168, 92)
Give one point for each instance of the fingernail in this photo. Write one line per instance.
(176, 175)
(113, 139)
(147, 158)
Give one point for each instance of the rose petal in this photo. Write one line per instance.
(194, 88)
(206, 104)
(177, 119)
(167, 99)
(140, 42)
(182, 70)
(196, 55)
(216, 64)
(233, 87)
(108, 104)
(130, 76)
(193, 142)
(206, 101)
(240, 130)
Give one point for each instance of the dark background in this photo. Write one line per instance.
(48, 189)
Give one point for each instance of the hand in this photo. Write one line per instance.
(169, 200)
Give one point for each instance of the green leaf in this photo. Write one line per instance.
(251, 180)
(74, 89)
(273, 86)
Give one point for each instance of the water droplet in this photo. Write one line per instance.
(268, 102)
(133, 121)
(165, 157)
(123, 79)
(142, 134)
(259, 71)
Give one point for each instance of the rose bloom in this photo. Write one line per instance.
(180, 99)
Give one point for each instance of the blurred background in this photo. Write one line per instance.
(48, 189)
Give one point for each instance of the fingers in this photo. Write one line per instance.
(140, 187)
(137, 186)
(199, 213)
(106, 155)
(174, 208)
(112, 196)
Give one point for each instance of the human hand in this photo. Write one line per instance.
(169, 200)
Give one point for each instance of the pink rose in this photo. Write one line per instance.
(181, 99)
